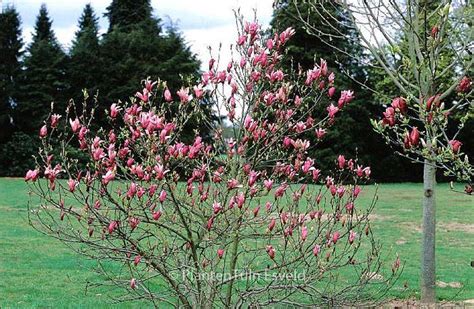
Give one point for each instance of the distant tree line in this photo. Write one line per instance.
(32, 76)
(136, 46)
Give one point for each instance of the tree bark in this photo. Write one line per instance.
(428, 272)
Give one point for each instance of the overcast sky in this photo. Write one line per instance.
(203, 22)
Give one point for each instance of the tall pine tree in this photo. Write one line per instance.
(43, 80)
(135, 47)
(10, 68)
(84, 65)
(352, 133)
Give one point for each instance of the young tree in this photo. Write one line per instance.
(418, 119)
(84, 66)
(43, 78)
(10, 68)
(248, 214)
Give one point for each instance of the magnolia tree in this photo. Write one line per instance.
(246, 220)
(429, 68)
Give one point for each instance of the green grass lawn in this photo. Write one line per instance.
(38, 271)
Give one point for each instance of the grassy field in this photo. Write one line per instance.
(37, 271)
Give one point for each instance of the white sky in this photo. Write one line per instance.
(203, 22)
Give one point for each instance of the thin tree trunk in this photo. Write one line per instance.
(428, 272)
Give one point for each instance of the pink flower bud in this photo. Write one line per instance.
(75, 124)
(133, 283)
(341, 161)
(54, 120)
(156, 215)
(316, 250)
(271, 251)
(114, 110)
(220, 253)
(352, 236)
(331, 91)
(112, 226)
(32, 175)
(455, 146)
(43, 131)
(163, 195)
(304, 233)
(72, 184)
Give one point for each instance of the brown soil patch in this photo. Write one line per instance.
(457, 227)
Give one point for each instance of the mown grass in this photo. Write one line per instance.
(38, 271)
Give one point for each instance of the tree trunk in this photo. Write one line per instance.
(428, 273)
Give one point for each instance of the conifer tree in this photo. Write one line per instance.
(43, 80)
(305, 50)
(10, 50)
(84, 66)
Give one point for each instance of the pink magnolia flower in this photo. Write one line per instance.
(43, 131)
(72, 184)
(162, 196)
(335, 237)
(241, 40)
(341, 161)
(332, 110)
(167, 95)
(156, 215)
(183, 95)
(346, 97)
(464, 85)
(114, 110)
(75, 124)
(220, 253)
(133, 223)
(55, 120)
(455, 145)
(149, 85)
(316, 250)
(352, 236)
(271, 251)
(112, 226)
(240, 199)
(108, 177)
(268, 183)
(357, 190)
(286, 35)
(414, 136)
(256, 210)
(32, 175)
(400, 104)
(198, 91)
(232, 184)
(304, 233)
(280, 191)
(144, 96)
(331, 91)
(253, 176)
(137, 260)
(389, 116)
(216, 206)
(133, 283)
(316, 173)
(272, 224)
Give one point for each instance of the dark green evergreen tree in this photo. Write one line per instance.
(352, 133)
(135, 47)
(43, 80)
(84, 65)
(10, 68)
